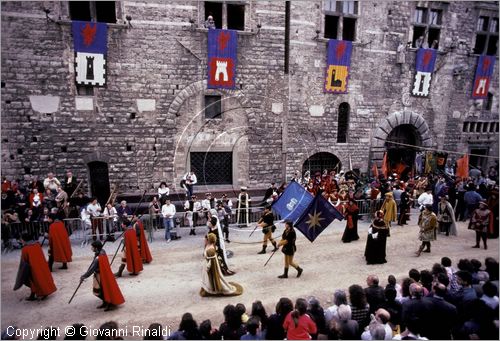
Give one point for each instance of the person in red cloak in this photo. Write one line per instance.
(34, 271)
(104, 285)
(130, 252)
(351, 227)
(59, 245)
(143, 242)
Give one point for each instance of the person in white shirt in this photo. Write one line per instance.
(190, 181)
(111, 217)
(188, 215)
(163, 192)
(51, 182)
(425, 198)
(168, 213)
(206, 204)
(94, 209)
(379, 328)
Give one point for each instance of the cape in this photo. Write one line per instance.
(41, 281)
(110, 289)
(145, 254)
(59, 243)
(134, 261)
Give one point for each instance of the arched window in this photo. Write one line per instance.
(343, 123)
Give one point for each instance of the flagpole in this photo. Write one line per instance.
(272, 254)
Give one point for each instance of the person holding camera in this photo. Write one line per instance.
(266, 222)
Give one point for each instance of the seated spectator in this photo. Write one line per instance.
(491, 266)
(275, 329)
(259, 311)
(393, 306)
(426, 279)
(298, 325)
(490, 295)
(345, 328)
(207, 332)
(478, 322)
(79, 332)
(374, 293)
(360, 310)
(232, 327)
(253, 327)
(154, 332)
(316, 312)
(478, 275)
(405, 289)
(391, 282)
(450, 271)
(379, 328)
(414, 274)
(339, 297)
(188, 329)
(242, 311)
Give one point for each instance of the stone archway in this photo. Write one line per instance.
(390, 123)
(320, 161)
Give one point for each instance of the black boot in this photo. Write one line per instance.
(285, 274)
(31, 297)
(103, 305)
(263, 250)
(51, 263)
(428, 249)
(299, 271)
(275, 246)
(64, 266)
(120, 271)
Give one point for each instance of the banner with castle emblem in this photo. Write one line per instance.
(484, 70)
(425, 61)
(90, 41)
(338, 64)
(222, 56)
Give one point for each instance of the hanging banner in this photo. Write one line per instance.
(425, 62)
(222, 56)
(90, 41)
(484, 70)
(337, 66)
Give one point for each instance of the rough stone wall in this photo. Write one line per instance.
(156, 83)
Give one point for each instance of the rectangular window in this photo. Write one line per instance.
(486, 36)
(213, 107)
(485, 127)
(212, 168)
(472, 127)
(340, 19)
(435, 17)
(478, 126)
(100, 11)
(84, 90)
(215, 10)
(465, 127)
(331, 26)
(236, 17)
(421, 15)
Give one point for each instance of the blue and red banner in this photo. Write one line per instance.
(425, 62)
(484, 70)
(222, 56)
(90, 41)
(338, 64)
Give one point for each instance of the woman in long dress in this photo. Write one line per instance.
(351, 226)
(213, 281)
(376, 241)
(446, 217)
(214, 227)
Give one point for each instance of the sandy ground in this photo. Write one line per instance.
(169, 286)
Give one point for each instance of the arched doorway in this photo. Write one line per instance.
(321, 161)
(400, 154)
(99, 181)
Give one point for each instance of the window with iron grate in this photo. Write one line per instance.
(212, 168)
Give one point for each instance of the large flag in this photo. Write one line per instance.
(375, 170)
(222, 56)
(463, 166)
(317, 217)
(425, 61)
(90, 41)
(292, 202)
(385, 169)
(338, 65)
(484, 70)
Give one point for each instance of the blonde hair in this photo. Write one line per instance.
(212, 238)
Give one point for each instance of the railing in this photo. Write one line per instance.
(82, 230)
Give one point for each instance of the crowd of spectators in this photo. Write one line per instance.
(440, 303)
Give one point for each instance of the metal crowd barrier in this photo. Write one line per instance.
(81, 231)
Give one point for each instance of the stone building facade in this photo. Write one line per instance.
(145, 125)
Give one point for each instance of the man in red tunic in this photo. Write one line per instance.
(143, 242)
(33, 270)
(59, 245)
(104, 285)
(130, 252)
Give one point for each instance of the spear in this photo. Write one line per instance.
(272, 254)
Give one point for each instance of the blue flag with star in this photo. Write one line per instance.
(292, 202)
(317, 217)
